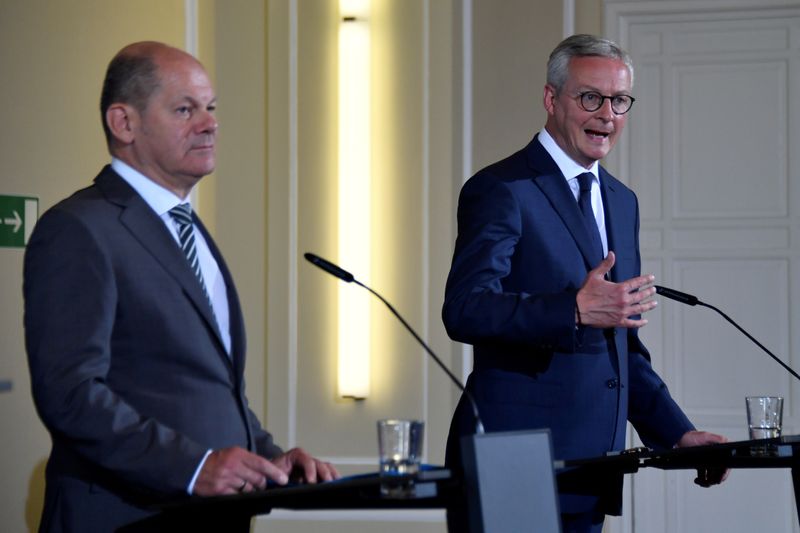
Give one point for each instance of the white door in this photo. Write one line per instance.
(711, 151)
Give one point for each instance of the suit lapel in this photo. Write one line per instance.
(554, 186)
(611, 205)
(148, 228)
(234, 308)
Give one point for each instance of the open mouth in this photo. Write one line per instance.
(596, 134)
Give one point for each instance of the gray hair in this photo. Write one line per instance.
(582, 45)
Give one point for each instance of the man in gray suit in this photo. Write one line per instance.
(133, 328)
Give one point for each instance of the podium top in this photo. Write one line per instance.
(779, 452)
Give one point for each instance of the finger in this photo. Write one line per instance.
(640, 284)
(642, 307)
(644, 294)
(631, 323)
(326, 471)
(308, 465)
(260, 468)
(605, 266)
(333, 471)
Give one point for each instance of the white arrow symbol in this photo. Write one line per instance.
(16, 222)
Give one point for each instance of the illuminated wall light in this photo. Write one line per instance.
(354, 196)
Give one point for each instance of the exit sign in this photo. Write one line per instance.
(18, 215)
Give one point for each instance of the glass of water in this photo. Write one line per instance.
(400, 450)
(764, 417)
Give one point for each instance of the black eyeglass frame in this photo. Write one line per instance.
(603, 99)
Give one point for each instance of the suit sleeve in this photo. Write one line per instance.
(476, 307)
(655, 415)
(264, 443)
(70, 307)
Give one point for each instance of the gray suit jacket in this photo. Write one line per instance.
(128, 371)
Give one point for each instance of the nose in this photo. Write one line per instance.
(606, 112)
(207, 122)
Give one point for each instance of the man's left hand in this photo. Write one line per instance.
(300, 466)
(706, 477)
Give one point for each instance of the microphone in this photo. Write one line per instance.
(346, 276)
(678, 296)
(330, 268)
(688, 299)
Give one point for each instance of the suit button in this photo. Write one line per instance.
(612, 383)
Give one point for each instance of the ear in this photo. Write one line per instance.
(121, 120)
(550, 95)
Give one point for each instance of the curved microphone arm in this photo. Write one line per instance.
(453, 378)
(689, 299)
(346, 276)
(737, 326)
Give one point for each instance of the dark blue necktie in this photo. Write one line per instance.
(585, 203)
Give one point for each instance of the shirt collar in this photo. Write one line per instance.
(161, 200)
(568, 167)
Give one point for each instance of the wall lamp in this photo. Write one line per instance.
(354, 196)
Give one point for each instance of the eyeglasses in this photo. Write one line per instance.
(593, 100)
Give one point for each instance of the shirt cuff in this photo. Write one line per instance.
(190, 488)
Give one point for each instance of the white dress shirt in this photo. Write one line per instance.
(571, 170)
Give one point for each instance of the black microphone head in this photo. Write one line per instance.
(678, 296)
(329, 267)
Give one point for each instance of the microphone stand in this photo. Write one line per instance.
(346, 276)
(688, 299)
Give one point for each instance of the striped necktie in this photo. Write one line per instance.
(589, 220)
(182, 215)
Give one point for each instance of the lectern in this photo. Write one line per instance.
(508, 486)
(781, 452)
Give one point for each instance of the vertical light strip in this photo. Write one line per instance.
(354, 196)
(293, 222)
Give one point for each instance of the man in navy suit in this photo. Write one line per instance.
(545, 284)
(134, 332)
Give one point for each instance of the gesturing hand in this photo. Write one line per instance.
(604, 304)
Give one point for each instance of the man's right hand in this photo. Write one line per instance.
(604, 304)
(234, 470)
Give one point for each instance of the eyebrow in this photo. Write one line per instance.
(590, 89)
(195, 101)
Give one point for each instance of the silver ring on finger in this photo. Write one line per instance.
(243, 486)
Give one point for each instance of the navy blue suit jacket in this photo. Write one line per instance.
(520, 258)
(129, 372)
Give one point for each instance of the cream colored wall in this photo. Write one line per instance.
(52, 56)
(238, 192)
(511, 42)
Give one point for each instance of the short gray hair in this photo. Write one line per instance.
(582, 45)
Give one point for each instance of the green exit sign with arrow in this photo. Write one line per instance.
(18, 215)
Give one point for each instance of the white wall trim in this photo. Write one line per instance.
(426, 217)
(191, 42)
(569, 18)
(350, 460)
(466, 135)
(293, 229)
(403, 515)
(191, 29)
